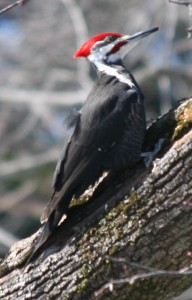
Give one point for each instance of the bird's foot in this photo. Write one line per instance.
(149, 156)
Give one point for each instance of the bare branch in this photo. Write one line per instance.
(37, 98)
(132, 279)
(153, 272)
(13, 198)
(81, 34)
(20, 133)
(7, 239)
(25, 163)
(181, 2)
(9, 7)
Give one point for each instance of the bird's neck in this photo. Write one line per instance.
(117, 70)
(113, 66)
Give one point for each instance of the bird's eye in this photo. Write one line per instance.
(110, 39)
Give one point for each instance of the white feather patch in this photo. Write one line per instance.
(114, 72)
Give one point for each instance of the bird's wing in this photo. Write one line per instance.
(98, 128)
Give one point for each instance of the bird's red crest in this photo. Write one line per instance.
(85, 49)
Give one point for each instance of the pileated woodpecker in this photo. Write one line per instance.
(110, 129)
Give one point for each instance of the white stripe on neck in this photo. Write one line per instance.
(114, 72)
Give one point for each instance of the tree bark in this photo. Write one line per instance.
(143, 215)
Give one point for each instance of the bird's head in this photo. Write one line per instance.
(110, 47)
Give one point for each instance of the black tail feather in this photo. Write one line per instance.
(47, 230)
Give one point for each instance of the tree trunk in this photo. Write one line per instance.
(142, 216)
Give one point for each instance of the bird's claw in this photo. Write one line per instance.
(149, 156)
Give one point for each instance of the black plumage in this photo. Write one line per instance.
(108, 135)
(109, 131)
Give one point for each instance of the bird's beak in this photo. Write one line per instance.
(137, 36)
(131, 41)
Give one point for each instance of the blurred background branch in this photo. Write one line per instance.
(189, 5)
(12, 5)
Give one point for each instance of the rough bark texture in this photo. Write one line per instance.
(143, 215)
